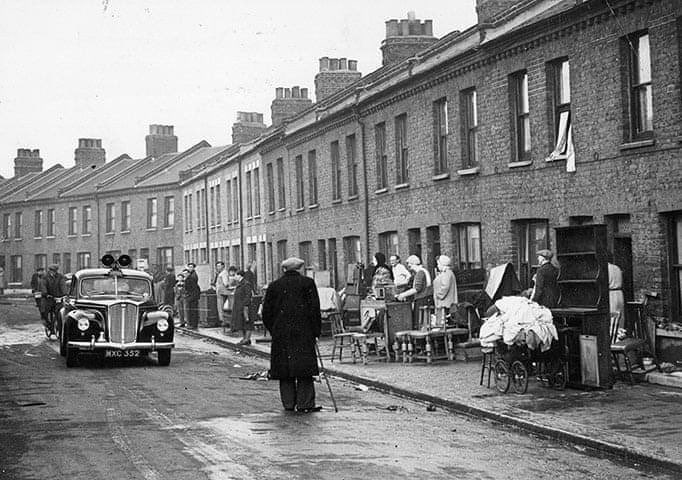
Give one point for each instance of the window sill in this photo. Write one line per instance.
(256, 217)
(380, 191)
(468, 171)
(172, 226)
(401, 186)
(122, 232)
(638, 144)
(524, 163)
(440, 176)
(71, 235)
(557, 158)
(37, 238)
(352, 197)
(314, 205)
(50, 237)
(336, 202)
(281, 209)
(18, 239)
(300, 209)
(86, 234)
(111, 234)
(271, 212)
(151, 229)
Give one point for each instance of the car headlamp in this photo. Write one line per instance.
(83, 324)
(162, 325)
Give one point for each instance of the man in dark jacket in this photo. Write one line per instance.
(192, 294)
(291, 313)
(169, 287)
(546, 291)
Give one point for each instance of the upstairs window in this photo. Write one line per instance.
(6, 226)
(312, 177)
(218, 206)
(559, 90)
(73, 220)
(300, 182)
(440, 136)
(125, 216)
(18, 224)
(351, 159)
(270, 179)
(228, 200)
(281, 182)
(640, 94)
(336, 170)
(152, 213)
(169, 210)
(401, 149)
(235, 200)
(518, 93)
(256, 192)
(38, 224)
(50, 222)
(87, 220)
(380, 152)
(110, 218)
(249, 196)
(469, 113)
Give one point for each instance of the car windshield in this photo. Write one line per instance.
(115, 286)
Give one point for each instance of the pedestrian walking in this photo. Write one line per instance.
(169, 287)
(291, 313)
(192, 295)
(240, 310)
(180, 298)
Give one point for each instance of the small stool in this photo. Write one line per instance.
(487, 363)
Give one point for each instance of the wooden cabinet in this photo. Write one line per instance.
(583, 312)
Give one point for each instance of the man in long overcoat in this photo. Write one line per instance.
(192, 295)
(291, 313)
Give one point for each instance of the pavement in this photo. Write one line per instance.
(635, 424)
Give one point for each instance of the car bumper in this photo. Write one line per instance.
(93, 346)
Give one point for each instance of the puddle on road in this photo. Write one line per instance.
(21, 335)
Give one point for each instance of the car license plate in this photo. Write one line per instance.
(121, 353)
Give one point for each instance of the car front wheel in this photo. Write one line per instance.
(164, 357)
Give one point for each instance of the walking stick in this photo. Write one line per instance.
(324, 374)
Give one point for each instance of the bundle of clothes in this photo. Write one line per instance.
(519, 321)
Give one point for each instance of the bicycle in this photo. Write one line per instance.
(52, 326)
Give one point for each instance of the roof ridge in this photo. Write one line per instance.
(176, 158)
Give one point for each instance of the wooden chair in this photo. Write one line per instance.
(342, 338)
(636, 343)
(370, 334)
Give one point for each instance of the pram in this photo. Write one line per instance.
(514, 364)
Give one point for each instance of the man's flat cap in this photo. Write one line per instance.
(292, 263)
(546, 253)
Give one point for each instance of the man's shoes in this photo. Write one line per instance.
(309, 410)
(244, 341)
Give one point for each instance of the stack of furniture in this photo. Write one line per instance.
(582, 317)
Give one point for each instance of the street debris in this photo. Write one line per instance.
(236, 365)
(430, 407)
(361, 387)
(260, 376)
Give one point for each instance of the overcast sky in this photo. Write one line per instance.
(74, 69)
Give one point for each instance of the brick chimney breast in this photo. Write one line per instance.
(406, 38)
(89, 153)
(249, 125)
(27, 161)
(161, 140)
(335, 74)
(289, 102)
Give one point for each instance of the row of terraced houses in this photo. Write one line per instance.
(546, 113)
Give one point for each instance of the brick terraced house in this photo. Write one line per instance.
(546, 113)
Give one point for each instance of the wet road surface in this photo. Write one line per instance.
(197, 420)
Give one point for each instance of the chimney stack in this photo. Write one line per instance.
(161, 140)
(407, 38)
(335, 74)
(27, 161)
(249, 125)
(89, 153)
(490, 11)
(288, 102)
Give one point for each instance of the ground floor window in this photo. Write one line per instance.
(40, 261)
(432, 249)
(164, 257)
(388, 244)
(530, 236)
(414, 242)
(304, 250)
(466, 238)
(16, 269)
(83, 260)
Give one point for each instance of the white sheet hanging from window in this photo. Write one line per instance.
(564, 143)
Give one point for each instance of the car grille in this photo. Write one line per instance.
(123, 322)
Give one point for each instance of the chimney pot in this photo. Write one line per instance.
(279, 92)
(324, 64)
(352, 65)
(334, 64)
(304, 93)
(343, 64)
(404, 28)
(392, 28)
(428, 28)
(411, 16)
(287, 93)
(295, 92)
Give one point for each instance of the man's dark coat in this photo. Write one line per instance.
(192, 289)
(546, 286)
(291, 313)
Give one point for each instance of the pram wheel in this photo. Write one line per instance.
(502, 379)
(519, 377)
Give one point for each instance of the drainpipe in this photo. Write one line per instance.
(242, 247)
(208, 234)
(99, 240)
(365, 202)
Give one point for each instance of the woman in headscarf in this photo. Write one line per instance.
(382, 272)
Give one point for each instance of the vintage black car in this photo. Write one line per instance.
(111, 312)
